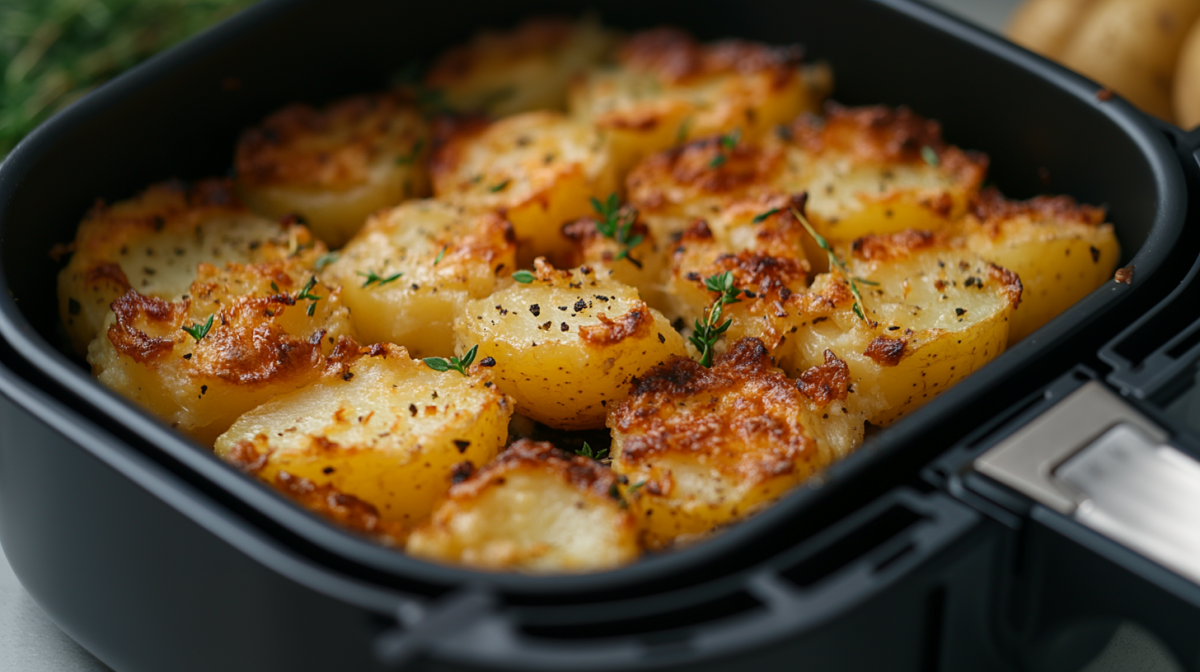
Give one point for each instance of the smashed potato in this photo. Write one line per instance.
(539, 168)
(411, 270)
(666, 88)
(567, 344)
(153, 242)
(243, 335)
(639, 265)
(534, 509)
(703, 447)
(379, 426)
(525, 69)
(336, 165)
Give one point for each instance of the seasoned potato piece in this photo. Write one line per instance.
(936, 314)
(153, 242)
(877, 170)
(1061, 250)
(534, 509)
(641, 265)
(346, 510)
(525, 69)
(539, 168)
(242, 335)
(567, 344)
(336, 165)
(379, 426)
(667, 88)
(412, 269)
(704, 447)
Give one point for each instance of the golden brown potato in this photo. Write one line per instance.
(525, 69)
(567, 344)
(705, 447)
(934, 313)
(1186, 94)
(667, 88)
(539, 168)
(1061, 251)
(336, 165)
(378, 426)
(534, 509)
(346, 510)
(411, 270)
(241, 336)
(639, 265)
(877, 170)
(1132, 47)
(153, 242)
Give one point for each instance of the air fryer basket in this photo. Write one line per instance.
(264, 585)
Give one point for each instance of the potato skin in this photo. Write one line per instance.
(262, 342)
(667, 88)
(539, 168)
(447, 257)
(378, 426)
(534, 509)
(153, 243)
(525, 69)
(568, 344)
(1061, 250)
(705, 447)
(336, 165)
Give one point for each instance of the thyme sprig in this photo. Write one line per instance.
(727, 143)
(596, 454)
(836, 262)
(199, 331)
(373, 278)
(452, 364)
(307, 295)
(523, 277)
(706, 334)
(617, 224)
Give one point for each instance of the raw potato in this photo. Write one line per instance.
(567, 345)
(1187, 80)
(705, 447)
(535, 509)
(262, 343)
(667, 88)
(445, 256)
(1062, 251)
(379, 426)
(539, 168)
(1046, 26)
(1132, 47)
(525, 69)
(153, 243)
(335, 166)
(937, 314)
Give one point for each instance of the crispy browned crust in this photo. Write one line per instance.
(1008, 281)
(894, 246)
(451, 135)
(990, 207)
(691, 165)
(247, 350)
(677, 407)
(825, 382)
(584, 474)
(884, 135)
(161, 204)
(533, 36)
(886, 351)
(289, 147)
(1124, 275)
(675, 56)
(344, 509)
(634, 324)
(132, 309)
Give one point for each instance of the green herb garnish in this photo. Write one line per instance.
(325, 260)
(454, 363)
(440, 254)
(587, 451)
(727, 142)
(199, 331)
(682, 133)
(930, 156)
(411, 157)
(834, 261)
(307, 295)
(499, 187)
(706, 334)
(617, 224)
(373, 278)
(762, 217)
(523, 277)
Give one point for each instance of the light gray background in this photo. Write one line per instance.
(30, 642)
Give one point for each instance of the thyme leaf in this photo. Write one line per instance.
(199, 331)
(835, 262)
(454, 363)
